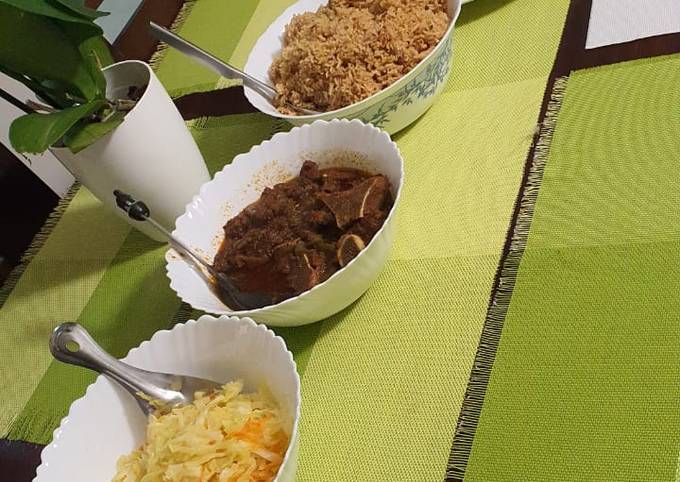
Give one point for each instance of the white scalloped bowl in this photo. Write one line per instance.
(392, 109)
(335, 143)
(107, 423)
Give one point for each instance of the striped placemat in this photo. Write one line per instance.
(581, 349)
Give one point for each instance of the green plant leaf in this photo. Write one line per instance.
(50, 94)
(36, 46)
(94, 50)
(83, 134)
(88, 44)
(96, 74)
(56, 93)
(77, 6)
(37, 132)
(34, 86)
(100, 47)
(56, 11)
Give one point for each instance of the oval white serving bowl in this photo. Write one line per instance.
(334, 143)
(392, 108)
(107, 423)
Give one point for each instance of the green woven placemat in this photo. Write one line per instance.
(382, 381)
(585, 385)
(225, 22)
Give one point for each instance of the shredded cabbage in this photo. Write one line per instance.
(223, 436)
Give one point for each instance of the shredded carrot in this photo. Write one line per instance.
(223, 436)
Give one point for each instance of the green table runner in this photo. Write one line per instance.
(384, 380)
(586, 381)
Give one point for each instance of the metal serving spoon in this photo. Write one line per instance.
(222, 68)
(139, 211)
(71, 343)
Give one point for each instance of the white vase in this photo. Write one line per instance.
(151, 155)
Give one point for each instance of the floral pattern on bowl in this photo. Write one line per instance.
(425, 85)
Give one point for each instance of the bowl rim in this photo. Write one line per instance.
(170, 257)
(53, 447)
(291, 10)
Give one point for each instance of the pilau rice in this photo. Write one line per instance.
(350, 49)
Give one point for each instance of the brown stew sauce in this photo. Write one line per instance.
(302, 231)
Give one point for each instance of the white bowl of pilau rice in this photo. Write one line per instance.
(381, 61)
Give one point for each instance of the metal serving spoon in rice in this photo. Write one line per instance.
(222, 68)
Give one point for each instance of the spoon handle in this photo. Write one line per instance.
(210, 61)
(139, 211)
(71, 343)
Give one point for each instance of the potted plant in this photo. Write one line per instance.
(112, 125)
